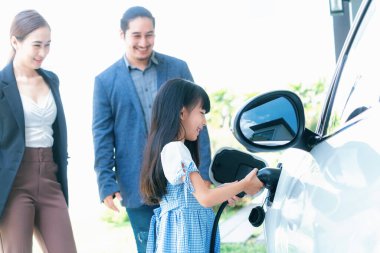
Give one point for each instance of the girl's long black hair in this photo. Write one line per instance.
(165, 127)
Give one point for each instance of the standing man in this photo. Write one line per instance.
(123, 97)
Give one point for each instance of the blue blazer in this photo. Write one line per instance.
(12, 132)
(119, 130)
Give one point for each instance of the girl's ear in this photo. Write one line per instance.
(181, 113)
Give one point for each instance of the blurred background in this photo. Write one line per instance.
(235, 49)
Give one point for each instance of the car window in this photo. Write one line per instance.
(359, 84)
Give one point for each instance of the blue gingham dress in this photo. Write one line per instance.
(180, 224)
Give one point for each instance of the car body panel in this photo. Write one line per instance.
(327, 200)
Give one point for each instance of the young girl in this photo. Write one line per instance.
(184, 220)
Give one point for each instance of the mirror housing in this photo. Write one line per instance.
(270, 122)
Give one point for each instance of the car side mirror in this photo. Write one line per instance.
(272, 121)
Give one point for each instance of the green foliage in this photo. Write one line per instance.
(335, 121)
(221, 108)
(224, 104)
(229, 211)
(242, 248)
(312, 99)
(115, 219)
(250, 246)
(249, 96)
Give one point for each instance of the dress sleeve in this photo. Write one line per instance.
(176, 162)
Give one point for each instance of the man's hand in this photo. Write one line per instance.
(109, 201)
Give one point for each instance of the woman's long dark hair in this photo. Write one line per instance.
(165, 127)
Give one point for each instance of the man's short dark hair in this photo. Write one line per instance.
(132, 13)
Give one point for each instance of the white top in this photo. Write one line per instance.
(175, 156)
(39, 118)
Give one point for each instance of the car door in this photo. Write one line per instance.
(327, 198)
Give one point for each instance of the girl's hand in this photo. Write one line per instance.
(231, 201)
(252, 183)
(208, 183)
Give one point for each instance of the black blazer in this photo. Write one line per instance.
(12, 132)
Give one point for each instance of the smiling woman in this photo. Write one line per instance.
(33, 145)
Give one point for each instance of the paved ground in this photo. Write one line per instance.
(237, 229)
(95, 236)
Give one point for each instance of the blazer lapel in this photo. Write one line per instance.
(129, 85)
(162, 75)
(12, 94)
(54, 89)
(57, 98)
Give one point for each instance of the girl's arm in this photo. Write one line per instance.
(208, 197)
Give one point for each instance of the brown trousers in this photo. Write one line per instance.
(36, 205)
